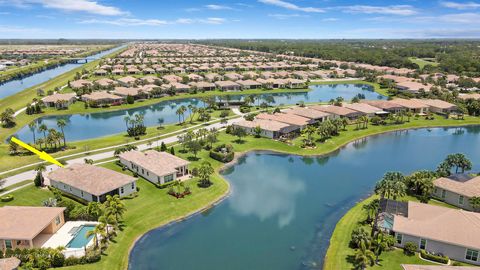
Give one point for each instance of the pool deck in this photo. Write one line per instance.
(63, 236)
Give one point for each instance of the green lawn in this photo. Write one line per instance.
(339, 253)
(422, 62)
(30, 195)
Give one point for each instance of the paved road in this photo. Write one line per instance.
(29, 175)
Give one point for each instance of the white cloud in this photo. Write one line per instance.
(330, 20)
(153, 22)
(18, 29)
(218, 7)
(461, 18)
(455, 5)
(287, 5)
(213, 20)
(404, 10)
(127, 22)
(286, 16)
(88, 6)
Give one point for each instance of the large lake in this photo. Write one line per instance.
(18, 85)
(283, 208)
(88, 126)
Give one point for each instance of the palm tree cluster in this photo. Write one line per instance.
(38, 258)
(391, 186)
(135, 125)
(368, 247)
(195, 141)
(325, 130)
(123, 149)
(7, 118)
(110, 215)
(458, 160)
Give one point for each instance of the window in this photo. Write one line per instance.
(460, 200)
(57, 220)
(423, 243)
(121, 190)
(443, 194)
(82, 193)
(435, 190)
(472, 255)
(19, 242)
(133, 185)
(8, 244)
(168, 178)
(399, 238)
(143, 171)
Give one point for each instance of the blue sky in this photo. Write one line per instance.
(239, 19)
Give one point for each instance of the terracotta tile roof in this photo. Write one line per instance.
(270, 125)
(382, 104)
(100, 95)
(92, 179)
(337, 110)
(470, 188)
(226, 84)
(285, 118)
(25, 222)
(362, 107)
(127, 91)
(437, 267)
(307, 112)
(57, 97)
(436, 103)
(160, 163)
(453, 226)
(409, 103)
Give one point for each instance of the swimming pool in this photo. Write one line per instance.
(80, 238)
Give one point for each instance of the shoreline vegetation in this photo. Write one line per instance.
(138, 221)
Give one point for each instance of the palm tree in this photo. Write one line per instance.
(364, 257)
(379, 244)
(33, 126)
(106, 220)
(371, 209)
(421, 182)
(96, 232)
(114, 207)
(179, 112)
(61, 123)
(43, 128)
(392, 185)
(126, 118)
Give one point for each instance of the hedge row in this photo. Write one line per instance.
(434, 258)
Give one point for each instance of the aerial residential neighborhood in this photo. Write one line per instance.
(256, 134)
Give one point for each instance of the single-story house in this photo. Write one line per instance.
(469, 96)
(128, 80)
(105, 82)
(435, 229)
(364, 108)
(129, 91)
(412, 105)
(92, 183)
(180, 87)
(457, 190)
(316, 115)
(385, 105)
(80, 84)
(438, 106)
(203, 86)
(338, 110)
(270, 128)
(100, 72)
(102, 97)
(28, 226)
(227, 85)
(249, 84)
(291, 119)
(59, 101)
(156, 167)
(295, 84)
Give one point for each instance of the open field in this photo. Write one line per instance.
(422, 62)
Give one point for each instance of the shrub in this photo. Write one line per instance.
(7, 198)
(223, 153)
(410, 248)
(435, 258)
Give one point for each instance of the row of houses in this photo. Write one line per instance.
(293, 120)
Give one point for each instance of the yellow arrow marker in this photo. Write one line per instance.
(40, 154)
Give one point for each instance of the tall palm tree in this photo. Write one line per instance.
(126, 119)
(97, 232)
(61, 123)
(115, 207)
(43, 128)
(33, 126)
(379, 244)
(106, 220)
(364, 257)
